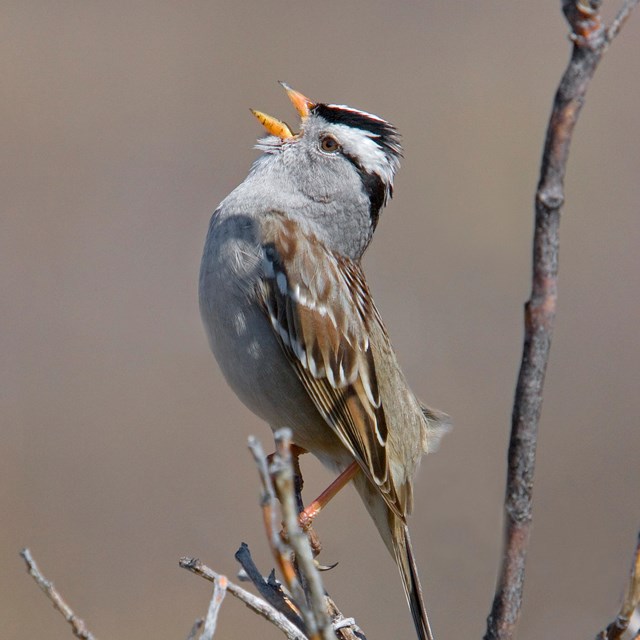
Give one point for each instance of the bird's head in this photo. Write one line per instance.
(340, 154)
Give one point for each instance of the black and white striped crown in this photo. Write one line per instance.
(383, 132)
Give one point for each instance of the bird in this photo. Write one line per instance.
(291, 320)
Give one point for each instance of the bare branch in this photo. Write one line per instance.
(269, 589)
(621, 18)
(267, 501)
(254, 603)
(589, 43)
(219, 592)
(302, 610)
(77, 624)
(315, 615)
(344, 628)
(281, 461)
(629, 603)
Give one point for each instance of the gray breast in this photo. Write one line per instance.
(239, 332)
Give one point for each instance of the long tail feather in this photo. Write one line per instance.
(411, 581)
(395, 535)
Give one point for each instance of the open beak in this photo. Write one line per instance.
(277, 127)
(302, 104)
(273, 126)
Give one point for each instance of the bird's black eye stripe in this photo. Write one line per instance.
(374, 187)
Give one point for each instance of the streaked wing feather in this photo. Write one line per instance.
(320, 315)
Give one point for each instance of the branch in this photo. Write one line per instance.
(77, 624)
(590, 40)
(272, 592)
(219, 592)
(267, 501)
(621, 18)
(254, 603)
(269, 589)
(629, 603)
(300, 608)
(316, 618)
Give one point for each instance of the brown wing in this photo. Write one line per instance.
(320, 308)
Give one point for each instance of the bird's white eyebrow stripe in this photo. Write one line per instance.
(366, 114)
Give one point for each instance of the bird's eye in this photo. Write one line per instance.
(329, 144)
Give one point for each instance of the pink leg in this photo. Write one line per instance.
(307, 516)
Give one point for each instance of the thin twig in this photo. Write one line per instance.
(589, 43)
(317, 604)
(316, 618)
(344, 628)
(219, 592)
(629, 603)
(254, 603)
(621, 18)
(267, 501)
(321, 619)
(77, 624)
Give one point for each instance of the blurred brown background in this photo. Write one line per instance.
(124, 124)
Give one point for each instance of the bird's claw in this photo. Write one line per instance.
(325, 567)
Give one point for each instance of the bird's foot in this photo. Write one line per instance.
(314, 540)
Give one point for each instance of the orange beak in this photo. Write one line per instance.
(273, 126)
(302, 104)
(277, 127)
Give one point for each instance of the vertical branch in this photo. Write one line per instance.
(269, 518)
(315, 614)
(219, 592)
(590, 40)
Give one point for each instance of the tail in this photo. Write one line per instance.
(395, 535)
(410, 580)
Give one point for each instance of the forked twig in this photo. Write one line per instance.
(258, 605)
(301, 608)
(590, 40)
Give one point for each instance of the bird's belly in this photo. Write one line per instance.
(258, 371)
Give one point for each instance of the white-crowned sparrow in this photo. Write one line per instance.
(292, 323)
